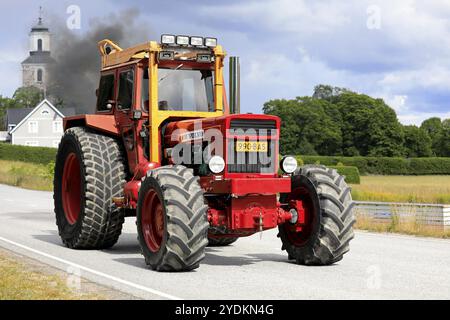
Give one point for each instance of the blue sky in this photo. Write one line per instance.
(396, 50)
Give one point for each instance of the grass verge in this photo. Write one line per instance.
(27, 175)
(18, 281)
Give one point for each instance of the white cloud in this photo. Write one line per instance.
(398, 103)
(286, 15)
(417, 118)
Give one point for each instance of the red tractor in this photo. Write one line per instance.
(165, 146)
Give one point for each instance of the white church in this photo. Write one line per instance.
(41, 125)
(35, 67)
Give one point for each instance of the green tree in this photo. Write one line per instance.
(369, 127)
(28, 97)
(417, 142)
(5, 104)
(308, 126)
(327, 92)
(445, 139)
(433, 127)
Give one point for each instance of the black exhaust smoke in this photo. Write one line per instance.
(75, 75)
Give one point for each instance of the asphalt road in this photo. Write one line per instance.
(378, 266)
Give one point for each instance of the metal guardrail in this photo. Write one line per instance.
(428, 214)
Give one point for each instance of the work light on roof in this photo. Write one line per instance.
(183, 40)
(196, 41)
(167, 39)
(211, 42)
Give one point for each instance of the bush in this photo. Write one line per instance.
(385, 165)
(38, 155)
(351, 173)
(426, 165)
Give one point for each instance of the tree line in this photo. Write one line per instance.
(338, 122)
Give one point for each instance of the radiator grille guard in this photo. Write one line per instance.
(262, 162)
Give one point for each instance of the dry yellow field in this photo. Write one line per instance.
(420, 189)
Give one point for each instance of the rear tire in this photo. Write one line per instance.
(326, 238)
(89, 172)
(172, 219)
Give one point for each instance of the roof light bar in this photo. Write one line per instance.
(170, 39)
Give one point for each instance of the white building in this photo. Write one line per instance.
(41, 127)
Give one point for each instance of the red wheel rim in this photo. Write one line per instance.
(300, 238)
(153, 221)
(71, 188)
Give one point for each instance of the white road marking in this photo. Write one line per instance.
(98, 273)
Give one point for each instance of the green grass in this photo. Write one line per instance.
(27, 175)
(413, 189)
(18, 281)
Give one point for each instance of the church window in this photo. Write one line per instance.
(39, 44)
(40, 75)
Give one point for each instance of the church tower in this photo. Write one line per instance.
(35, 67)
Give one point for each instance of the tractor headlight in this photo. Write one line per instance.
(289, 164)
(216, 164)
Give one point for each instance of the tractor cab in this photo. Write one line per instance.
(152, 84)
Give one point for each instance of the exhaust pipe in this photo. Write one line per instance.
(235, 86)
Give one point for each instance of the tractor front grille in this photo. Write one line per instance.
(252, 162)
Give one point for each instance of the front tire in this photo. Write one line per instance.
(172, 219)
(89, 172)
(328, 229)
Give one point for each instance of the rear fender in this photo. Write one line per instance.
(102, 123)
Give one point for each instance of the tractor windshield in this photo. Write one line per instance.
(186, 90)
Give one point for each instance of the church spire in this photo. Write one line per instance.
(40, 24)
(40, 15)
